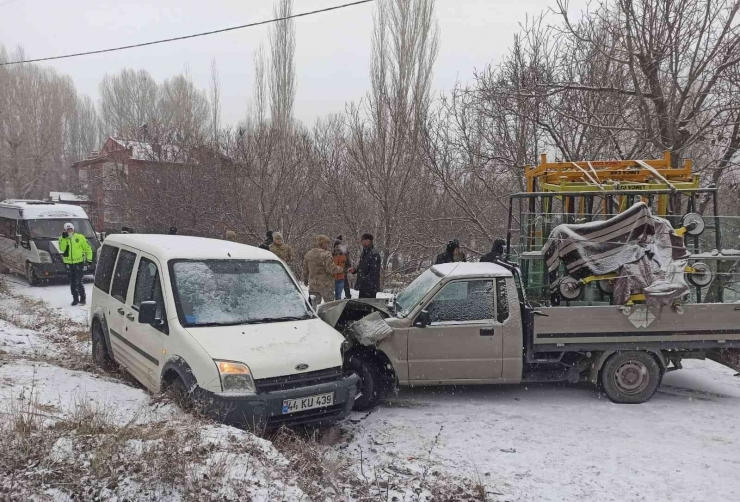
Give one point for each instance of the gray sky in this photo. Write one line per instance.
(332, 49)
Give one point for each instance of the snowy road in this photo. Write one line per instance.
(550, 442)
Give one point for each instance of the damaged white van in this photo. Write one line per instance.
(219, 323)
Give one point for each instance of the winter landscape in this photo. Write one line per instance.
(533, 210)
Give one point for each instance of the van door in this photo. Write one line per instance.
(147, 337)
(464, 340)
(10, 250)
(124, 351)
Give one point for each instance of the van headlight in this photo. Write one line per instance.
(44, 256)
(235, 377)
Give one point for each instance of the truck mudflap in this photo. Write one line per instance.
(726, 357)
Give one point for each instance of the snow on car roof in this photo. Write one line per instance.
(471, 269)
(169, 247)
(31, 210)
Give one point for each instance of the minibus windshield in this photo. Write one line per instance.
(231, 292)
(53, 229)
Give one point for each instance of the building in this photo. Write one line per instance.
(104, 174)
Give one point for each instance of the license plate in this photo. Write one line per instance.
(308, 403)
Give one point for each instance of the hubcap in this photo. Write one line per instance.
(632, 377)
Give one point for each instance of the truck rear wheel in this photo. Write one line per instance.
(630, 377)
(368, 385)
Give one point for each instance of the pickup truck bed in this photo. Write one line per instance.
(699, 326)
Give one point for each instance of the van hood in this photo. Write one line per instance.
(274, 349)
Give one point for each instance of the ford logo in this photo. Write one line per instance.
(301, 367)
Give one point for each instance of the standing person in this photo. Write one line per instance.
(173, 231)
(449, 254)
(76, 251)
(230, 236)
(368, 269)
(496, 253)
(347, 266)
(280, 249)
(268, 240)
(340, 260)
(459, 255)
(319, 270)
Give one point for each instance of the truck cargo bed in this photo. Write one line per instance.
(711, 325)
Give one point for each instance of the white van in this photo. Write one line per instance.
(29, 237)
(221, 323)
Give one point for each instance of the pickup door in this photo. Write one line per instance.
(464, 341)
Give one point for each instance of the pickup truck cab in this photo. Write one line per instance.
(219, 323)
(470, 323)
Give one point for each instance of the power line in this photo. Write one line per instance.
(185, 37)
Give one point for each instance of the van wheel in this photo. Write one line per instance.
(31, 276)
(100, 354)
(179, 394)
(631, 377)
(367, 386)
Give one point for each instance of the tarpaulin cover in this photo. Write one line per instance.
(643, 249)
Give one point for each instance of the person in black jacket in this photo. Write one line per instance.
(451, 253)
(268, 240)
(496, 253)
(368, 269)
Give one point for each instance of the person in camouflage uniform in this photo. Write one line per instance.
(319, 270)
(280, 249)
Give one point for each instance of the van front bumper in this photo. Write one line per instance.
(265, 411)
(56, 270)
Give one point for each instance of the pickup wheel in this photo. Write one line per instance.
(367, 387)
(631, 377)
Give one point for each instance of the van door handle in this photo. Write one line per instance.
(121, 311)
(130, 317)
(486, 332)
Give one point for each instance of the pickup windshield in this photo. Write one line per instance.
(232, 292)
(52, 229)
(414, 292)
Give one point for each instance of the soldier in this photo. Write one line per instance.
(319, 270)
(280, 249)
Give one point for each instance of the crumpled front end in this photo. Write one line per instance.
(361, 321)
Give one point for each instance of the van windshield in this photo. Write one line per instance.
(52, 229)
(231, 292)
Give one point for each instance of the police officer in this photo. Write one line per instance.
(76, 252)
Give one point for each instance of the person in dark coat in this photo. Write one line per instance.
(449, 254)
(173, 231)
(268, 240)
(496, 253)
(368, 269)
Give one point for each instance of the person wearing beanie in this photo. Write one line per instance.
(230, 236)
(496, 253)
(319, 270)
(280, 249)
(368, 270)
(451, 254)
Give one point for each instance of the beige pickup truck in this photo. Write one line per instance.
(470, 323)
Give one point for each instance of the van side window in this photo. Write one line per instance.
(463, 301)
(148, 287)
(502, 300)
(104, 270)
(122, 276)
(7, 228)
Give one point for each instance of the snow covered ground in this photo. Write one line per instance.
(518, 443)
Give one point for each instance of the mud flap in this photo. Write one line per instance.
(726, 357)
(370, 329)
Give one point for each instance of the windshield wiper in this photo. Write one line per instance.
(277, 319)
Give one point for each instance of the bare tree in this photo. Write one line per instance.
(215, 91)
(282, 74)
(385, 129)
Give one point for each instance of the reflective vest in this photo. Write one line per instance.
(75, 249)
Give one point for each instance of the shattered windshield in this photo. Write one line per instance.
(231, 292)
(414, 292)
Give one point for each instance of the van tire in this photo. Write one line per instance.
(100, 354)
(631, 377)
(31, 277)
(368, 385)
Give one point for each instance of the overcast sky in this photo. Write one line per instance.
(332, 53)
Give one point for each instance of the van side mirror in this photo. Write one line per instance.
(314, 301)
(147, 312)
(423, 319)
